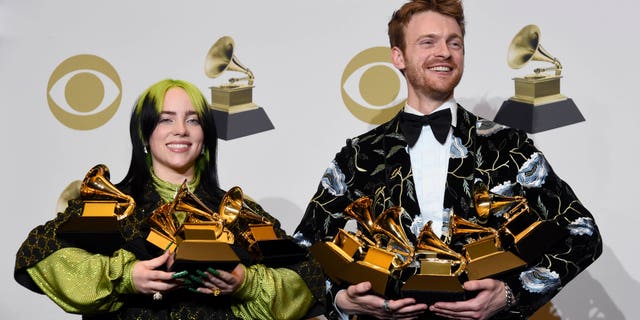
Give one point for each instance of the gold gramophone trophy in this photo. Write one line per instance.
(201, 239)
(103, 204)
(537, 104)
(97, 228)
(377, 256)
(234, 111)
(255, 232)
(523, 232)
(484, 252)
(440, 268)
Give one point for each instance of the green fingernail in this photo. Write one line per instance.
(195, 279)
(202, 274)
(213, 271)
(180, 274)
(194, 290)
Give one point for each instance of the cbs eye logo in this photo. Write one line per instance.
(371, 85)
(84, 92)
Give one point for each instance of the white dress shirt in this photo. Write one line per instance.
(429, 164)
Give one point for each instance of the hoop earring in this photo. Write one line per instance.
(145, 149)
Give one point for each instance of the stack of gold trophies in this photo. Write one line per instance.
(432, 270)
(208, 237)
(186, 226)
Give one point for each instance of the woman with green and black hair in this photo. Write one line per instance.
(174, 140)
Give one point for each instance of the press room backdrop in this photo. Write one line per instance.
(305, 55)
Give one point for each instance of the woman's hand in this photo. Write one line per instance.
(357, 299)
(219, 282)
(148, 280)
(489, 301)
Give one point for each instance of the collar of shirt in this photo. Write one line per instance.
(451, 104)
(429, 165)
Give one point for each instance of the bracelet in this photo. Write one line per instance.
(508, 297)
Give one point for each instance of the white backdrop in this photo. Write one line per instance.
(298, 51)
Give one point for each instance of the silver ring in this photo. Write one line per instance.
(157, 296)
(385, 306)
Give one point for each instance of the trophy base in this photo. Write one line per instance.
(333, 260)
(532, 244)
(343, 269)
(232, 125)
(493, 264)
(97, 217)
(279, 252)
(430, 289)
(537, 118)
(104, 243)
(96, 224)
(201, 254)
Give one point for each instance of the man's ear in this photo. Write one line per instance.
(397, 58)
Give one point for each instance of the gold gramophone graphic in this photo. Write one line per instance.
(523, 232)
(537, 104)
(234, 111)
(103, 204)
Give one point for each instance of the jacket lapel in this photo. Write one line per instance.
(462, 162)
(398, 175)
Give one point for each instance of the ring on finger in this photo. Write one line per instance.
(216, 292)
(385, 306)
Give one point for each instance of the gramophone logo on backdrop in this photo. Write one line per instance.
(371, 86)
(84, 92)
(234, 111)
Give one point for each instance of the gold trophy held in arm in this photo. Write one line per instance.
(103, 207)
(377, 256)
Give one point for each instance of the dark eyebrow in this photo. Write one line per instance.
(191, 112)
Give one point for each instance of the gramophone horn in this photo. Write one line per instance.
(461, 226)
(388, 226)
(428, 241)
(184, 201)
(221, 58)
(525, 47)
(233, 207)
(487, 203)
(96, 185)
(360, 210)
(188, 202)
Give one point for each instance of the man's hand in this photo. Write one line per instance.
(489, 301)
(357, 299)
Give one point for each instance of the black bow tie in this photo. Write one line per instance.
(411, 125)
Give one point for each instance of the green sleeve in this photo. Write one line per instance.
(83, 282)
(268, 293)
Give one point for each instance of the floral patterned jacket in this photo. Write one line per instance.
(376, 164)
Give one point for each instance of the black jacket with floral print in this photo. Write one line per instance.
(377, 165)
